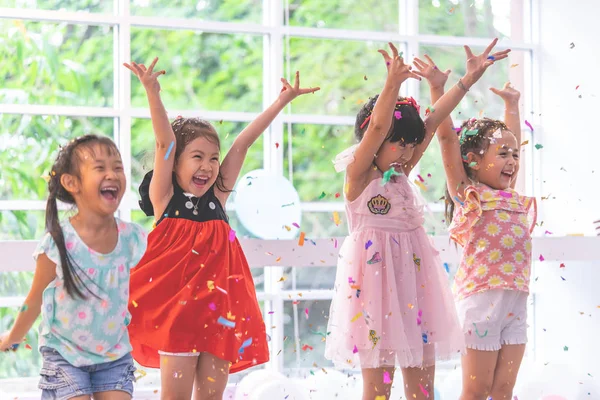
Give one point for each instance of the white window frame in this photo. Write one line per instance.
(274, 32)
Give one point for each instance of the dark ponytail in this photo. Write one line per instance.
(476, 141)
(67, 162)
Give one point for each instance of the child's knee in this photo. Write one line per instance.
(476, 391)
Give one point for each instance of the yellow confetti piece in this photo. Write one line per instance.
(514, 65)
(379, 397)
(525, 142)
(357, 316)
(336, 218)
(575, 234)
(211, 285)
(411, 306)
(141, 373)
(278, 259)
(301, 239)
(210, 379)
(135, 304)
(421, 185)
(287, 228)
(281, 279)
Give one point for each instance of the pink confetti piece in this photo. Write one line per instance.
(271, 312)
(429, 175)
(306, 312)
(420, 178)
(547, 233)
(529, 125)
(541, 257)
(335, 243)
(386, 378)
(397, 114)
(355, 350)
(504, 194)
(212, 306)
(425, 392)
(296, 225)
(231, 235)
(350, 280)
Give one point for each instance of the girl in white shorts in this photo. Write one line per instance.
(493, 223)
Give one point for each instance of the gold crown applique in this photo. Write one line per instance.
(379, 205)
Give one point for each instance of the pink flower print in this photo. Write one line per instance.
(70, 245)
(83, 315)
(121, 268)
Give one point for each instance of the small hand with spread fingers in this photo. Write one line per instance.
(396, 66)
(147, 76)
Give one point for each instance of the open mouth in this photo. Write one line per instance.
(508, 174)
(199, 181)
(109, 193)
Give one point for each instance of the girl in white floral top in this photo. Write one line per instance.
(81, 281)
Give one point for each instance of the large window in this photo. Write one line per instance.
(61, 77)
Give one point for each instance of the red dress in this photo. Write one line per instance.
(193, 290)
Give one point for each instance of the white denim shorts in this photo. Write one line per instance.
(493, 318)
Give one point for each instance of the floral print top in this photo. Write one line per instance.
(92, 330)
(494, 228)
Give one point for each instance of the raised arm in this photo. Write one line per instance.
(161, 186)
(436, 80)
(476, 66)
(232, 164)
(381, 118)
(45, 272)
(512, 118)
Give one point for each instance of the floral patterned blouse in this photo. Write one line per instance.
(494, 228)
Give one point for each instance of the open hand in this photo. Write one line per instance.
(396, 67)
(476, 65)
(509, 94)
(147, 76)
(428, 70)
(289, 92)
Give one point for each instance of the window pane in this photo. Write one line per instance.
(310, 278)
(29, 145)
(215, 10)
(312, 332)
(374, 15)
(480, 101)
(314, 148)
(205, 71)
(56, 64)
(480, 18)
(67, 5)
(21, 225)
(24, 362)
(359, 73)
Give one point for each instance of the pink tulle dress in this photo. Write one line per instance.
(392, 304)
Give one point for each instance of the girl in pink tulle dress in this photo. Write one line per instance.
(392, 305)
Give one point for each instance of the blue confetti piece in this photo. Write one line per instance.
(226, 322)
(425, 338)
(169, 150)
(491, 58)
(246, 343)
(458, 200)
(447, 267)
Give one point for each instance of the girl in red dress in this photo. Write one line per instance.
(193, 301)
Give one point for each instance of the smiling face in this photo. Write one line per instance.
(100, 183)
(499, 164)
(197, 167)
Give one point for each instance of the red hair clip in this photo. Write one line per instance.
(406, 101)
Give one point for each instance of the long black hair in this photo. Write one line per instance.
(410, 129)
(474, 137)
(68, 162)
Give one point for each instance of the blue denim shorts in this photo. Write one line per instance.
(61, 380)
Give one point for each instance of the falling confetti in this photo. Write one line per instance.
(356, 317)
(212, 306)
(375, 259)
(210, 285)
(425, 339)
(368, 244)
(387, 175)
(355, 350)
(572, 45)
(539, 146)
(565, 348)
(397, 114)
(373, 337)
(529, 125)
(306, 347)
(135, 304)
(23, 308)
(425, 392)
(542, 258)
(479, 334)
(226, 322)
(301, 239)
(447, 267)
(386, 378)
(169, 150)
(306, 313)
(231, 235)
(246, 343)
(322, 195)
(336, 218)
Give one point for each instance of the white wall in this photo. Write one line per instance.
(571, 141)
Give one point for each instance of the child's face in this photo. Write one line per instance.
(393, 153)
(198, 166)
(499, 165)
(102, 181)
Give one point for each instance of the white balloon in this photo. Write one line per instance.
(266, 203)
